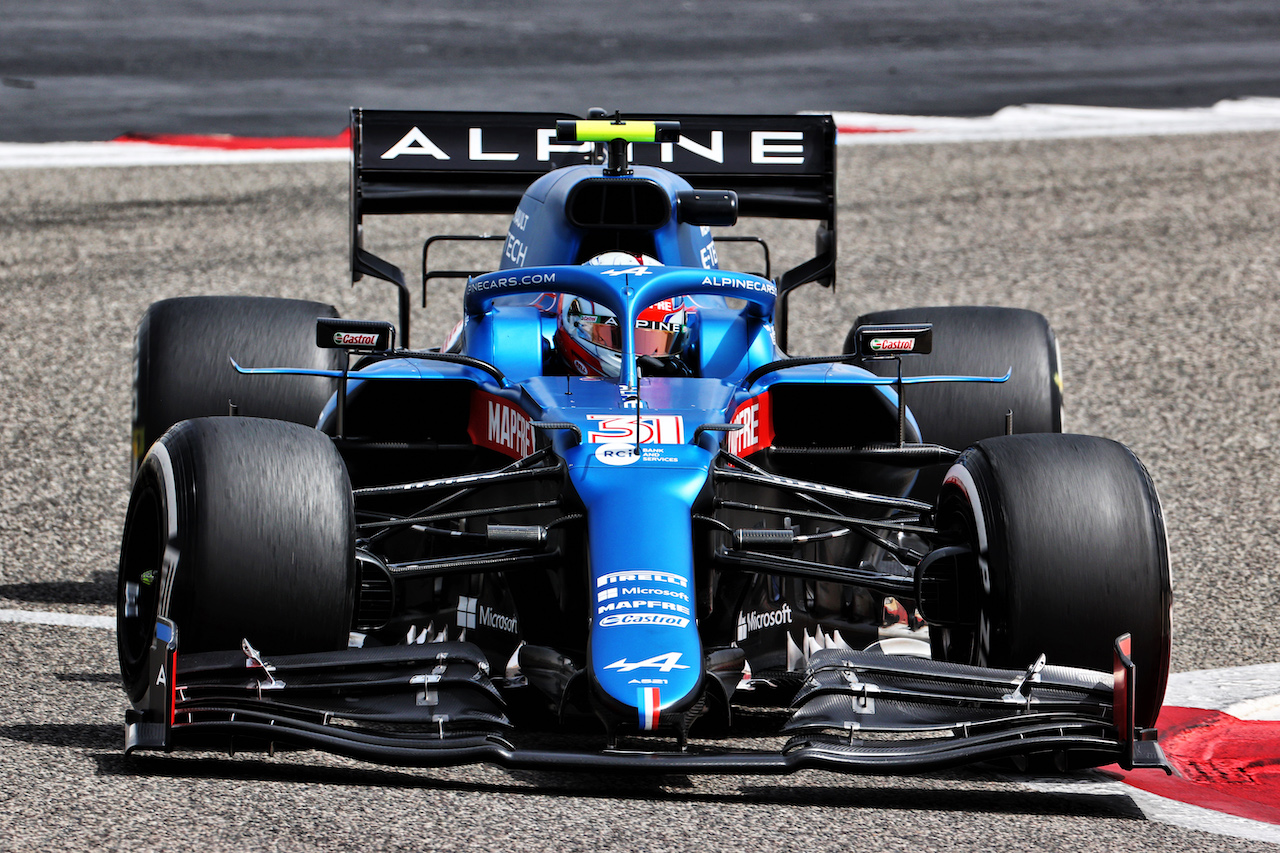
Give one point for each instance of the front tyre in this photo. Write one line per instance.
(237, 528)
(979, 341)
(182, 367)
(1071, 553)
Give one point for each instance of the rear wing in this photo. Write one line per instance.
(482, 162)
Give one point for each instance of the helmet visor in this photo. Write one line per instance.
(653, 337)
(657, 337)
(599, 330)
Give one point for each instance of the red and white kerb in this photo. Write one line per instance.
(647, 703)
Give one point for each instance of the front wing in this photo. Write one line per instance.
(436, 704)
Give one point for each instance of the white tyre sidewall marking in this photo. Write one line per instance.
(170, 498)
(959, 476)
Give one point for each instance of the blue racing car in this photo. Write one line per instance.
(610, 523)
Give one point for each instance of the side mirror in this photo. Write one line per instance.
(888, 341)
(355, 335)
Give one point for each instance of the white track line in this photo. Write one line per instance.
(63, 155)
(1053, 121)
(1241, 688)
(75, 620)
(1244, 692)
(1152, 806)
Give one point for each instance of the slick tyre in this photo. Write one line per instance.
(182, 367)
(975, 341)
(237, 528)
(1071, 553)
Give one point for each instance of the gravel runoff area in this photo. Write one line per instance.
(1154, 259)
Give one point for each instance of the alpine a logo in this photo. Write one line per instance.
(354, 339)
(893, 344)
(662, 663)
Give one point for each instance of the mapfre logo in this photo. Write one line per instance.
(755, 416)
(498, 424)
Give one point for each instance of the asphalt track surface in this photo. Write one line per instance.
(1154, 258)
(84, 70)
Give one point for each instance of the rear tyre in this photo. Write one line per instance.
(182, 366)
(1071, 552)
(237, 528)
(975, 341)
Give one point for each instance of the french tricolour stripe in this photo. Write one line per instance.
(647, 701)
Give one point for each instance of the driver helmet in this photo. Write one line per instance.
(588, 337)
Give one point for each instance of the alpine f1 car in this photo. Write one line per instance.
(610, 523)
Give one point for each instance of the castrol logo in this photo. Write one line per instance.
(354, 339)
(893, 344)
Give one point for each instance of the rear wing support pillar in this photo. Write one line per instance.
(366, 263)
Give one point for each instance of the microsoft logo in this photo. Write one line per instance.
(466, 612)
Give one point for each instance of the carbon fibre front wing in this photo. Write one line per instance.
(436, 705)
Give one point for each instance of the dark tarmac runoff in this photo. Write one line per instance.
(84, 70)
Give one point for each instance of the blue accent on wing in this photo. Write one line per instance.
(399, 368)
(411, 370)
(863, 378)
